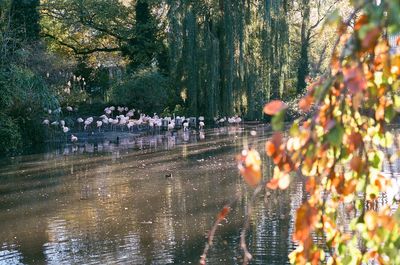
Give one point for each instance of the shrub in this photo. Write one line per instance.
(145, 90)
(24, 96)
(10, 137)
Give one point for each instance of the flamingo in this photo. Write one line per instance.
(87, 122)
(74, 138)
(69, 108)
(171, 125)
(201, 125)
(238, 120)
(99, 124)
(130, 125)
(46, 122)
(185, 125)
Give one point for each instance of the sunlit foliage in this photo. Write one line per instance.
(340, 150)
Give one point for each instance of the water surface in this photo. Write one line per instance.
(111, 203)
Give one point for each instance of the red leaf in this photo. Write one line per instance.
(223, 213)
(274, 107)
(354, 79)
(305, 103)
(371, 38)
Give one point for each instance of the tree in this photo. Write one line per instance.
(25, 19)
(340, 150)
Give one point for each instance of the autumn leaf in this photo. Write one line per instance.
(371, 220)
(273, 184)
(305, 103)
(380, 113)
(356, 164)
(360, 22)
(306, 219)
(273, 146)
(223, 213)
(310, 184)
(395, 63)
(354, 79)
(354, 141)
(371, 38)
(249, 164)
(274, 107)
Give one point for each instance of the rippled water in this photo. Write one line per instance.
(112, 203)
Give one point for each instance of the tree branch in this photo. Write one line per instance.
(81, 51)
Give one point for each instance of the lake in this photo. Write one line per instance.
(115, 202)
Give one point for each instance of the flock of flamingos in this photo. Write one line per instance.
(122, 118)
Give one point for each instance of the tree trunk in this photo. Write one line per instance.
(303, 67)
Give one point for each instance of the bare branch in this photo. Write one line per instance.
(81, 51)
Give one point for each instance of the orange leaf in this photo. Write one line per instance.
(360, 22)
(306, 219)
(354, 141)
(380, 113)
(305, 103)
(251, 176)
(274, 107)
(249, 164)
(349, 187)
(223, 213)
(371, 220)
(356, 164)
(310, 184)
(270, 148)
(273, 184)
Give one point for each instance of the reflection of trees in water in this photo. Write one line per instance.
(118, 206)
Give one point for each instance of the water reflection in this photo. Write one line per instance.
(111, 202)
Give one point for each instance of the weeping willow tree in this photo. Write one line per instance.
(234, 54)
(224, 57)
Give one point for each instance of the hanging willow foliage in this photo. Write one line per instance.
(232, 56)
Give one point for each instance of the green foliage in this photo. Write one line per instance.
(10, 137)
(25, 19)
(146, 90)
(24, 95)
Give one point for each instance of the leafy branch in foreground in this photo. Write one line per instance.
(340, 151)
